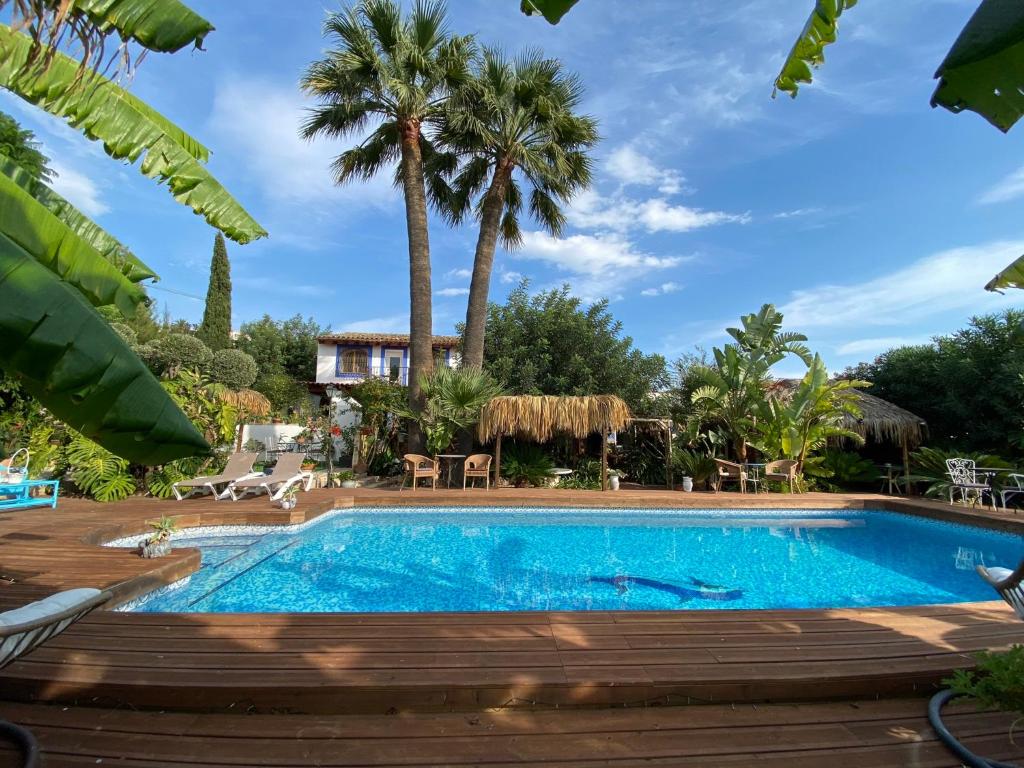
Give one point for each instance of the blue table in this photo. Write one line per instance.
(19, 495)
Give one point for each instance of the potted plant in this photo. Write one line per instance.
(614, 475)
(159, 542)
(348, 479)
(308, 465)
(289, 499)
(687, 484)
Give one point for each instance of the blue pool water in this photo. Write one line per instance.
(509, 560)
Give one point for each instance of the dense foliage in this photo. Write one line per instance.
(285, 355)
(997, 682)
(549, 344)
(233, 368)
(967, 386)
(20, 146)
(215, 330)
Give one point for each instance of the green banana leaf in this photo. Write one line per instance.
(1011, 277)
(159, 25)
(108, 246)
(74, 363)
(40, 234)
(809, 49)
(128, 129)
(552, 10)
(984, 70)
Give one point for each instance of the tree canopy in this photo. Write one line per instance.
(550, 344)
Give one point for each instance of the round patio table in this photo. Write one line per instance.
(451, 458)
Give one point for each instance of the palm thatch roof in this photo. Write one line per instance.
(885, 422)
(879, 420)
(539, 417)
(250, 401)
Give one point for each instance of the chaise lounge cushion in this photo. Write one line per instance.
(49, 606)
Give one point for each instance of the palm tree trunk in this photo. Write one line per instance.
(483, 262)
(420, 318)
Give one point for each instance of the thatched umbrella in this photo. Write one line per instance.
(539, 417)
(885, 422)
(249, 403)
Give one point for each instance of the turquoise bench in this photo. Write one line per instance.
(20, 495)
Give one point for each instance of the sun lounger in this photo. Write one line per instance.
(1007, 583)
(287, 473)
(22, 629)
(239, 468)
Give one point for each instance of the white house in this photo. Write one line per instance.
(348, 358)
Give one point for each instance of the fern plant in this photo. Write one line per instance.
(98, 472)
(526, 464)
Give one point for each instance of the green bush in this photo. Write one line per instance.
(996, 683)
(586, 476)
(233, 368)
(836, 470)
(690, 463)
(526, 464)
(281, 390)
(173, 352)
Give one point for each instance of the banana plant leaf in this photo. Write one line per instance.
(39, 233)
(74, 363)
(984, 70)
(159, 25)
(128, 128)
(552, 10)
(1011, 277)
(809, 49)
(108, 246)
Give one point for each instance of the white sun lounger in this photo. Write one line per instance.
(239, 467)
(22, 629)
(287, 473)
(1007, 583)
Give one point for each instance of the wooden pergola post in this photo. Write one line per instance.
(906, 465)
(668, 453)
(497, 460)
(604, 459)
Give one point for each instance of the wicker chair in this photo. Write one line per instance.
(1007, 583)
(783, 470)
(729, 471)
(477, 465)
(421, 467)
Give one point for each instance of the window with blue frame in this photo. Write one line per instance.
(355, 361)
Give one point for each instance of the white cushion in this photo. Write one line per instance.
(997, 573)
(49, 606)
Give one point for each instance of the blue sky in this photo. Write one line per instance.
(868, 217)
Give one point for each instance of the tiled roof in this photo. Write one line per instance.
(395, 339)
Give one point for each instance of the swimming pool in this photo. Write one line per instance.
(466, 559)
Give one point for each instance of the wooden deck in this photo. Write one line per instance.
(332, 683)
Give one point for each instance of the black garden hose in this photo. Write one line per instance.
(938, 701)
(24, 739)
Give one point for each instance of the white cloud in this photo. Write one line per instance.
(949, 280)
(79, 189)
(259, 121)
(454, 274)
(878, 345)
(661, 290)
(622, 214)
(631, 167)
(511, 276)
(1010, 188)
(389, 324)
(273, 284)
(797, 213)
(453, 292)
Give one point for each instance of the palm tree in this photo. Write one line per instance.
(454, 398)
(393, 74)
(762, 334)
(513, 115)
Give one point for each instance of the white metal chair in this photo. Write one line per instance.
(965, 480)
(1011, 490)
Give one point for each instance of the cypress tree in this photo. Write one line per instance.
(215, 329)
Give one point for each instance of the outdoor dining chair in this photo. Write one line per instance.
(1011, 490)
(783, 470)
(965, 480)
(421, 467)
(477, 465)
(729, 471)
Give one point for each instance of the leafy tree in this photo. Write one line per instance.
(515, 122)
(967, 385)
(285, 346)
(548, 344)
(394, 73)
(280, 389)
(215, 330)
(175, 352)
(45, 312)
(233, 368)
(21, 147)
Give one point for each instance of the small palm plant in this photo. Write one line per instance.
(454, 399)
(159, 542)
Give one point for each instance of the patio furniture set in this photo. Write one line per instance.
(419, 467)
(974, 483)
(756, 474)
